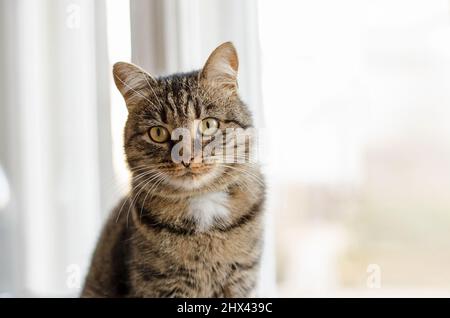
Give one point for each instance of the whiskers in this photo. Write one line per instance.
(143, 177)
(223, 169)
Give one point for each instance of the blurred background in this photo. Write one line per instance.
(353, 106)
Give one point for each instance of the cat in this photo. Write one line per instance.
(189, 227)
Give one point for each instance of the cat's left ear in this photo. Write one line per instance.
(221, 68)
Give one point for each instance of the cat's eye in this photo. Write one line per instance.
(209, 126)
(159, 134)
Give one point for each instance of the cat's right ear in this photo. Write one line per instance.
(221, 68)
(130, 81)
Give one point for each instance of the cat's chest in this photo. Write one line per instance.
(207, 209)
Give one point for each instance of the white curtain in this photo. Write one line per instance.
(55, 141)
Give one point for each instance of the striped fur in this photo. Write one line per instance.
(179, 234)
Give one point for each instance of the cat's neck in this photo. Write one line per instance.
(199, 212)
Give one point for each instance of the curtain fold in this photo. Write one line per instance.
(57, 140)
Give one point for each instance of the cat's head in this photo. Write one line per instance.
(173, 120)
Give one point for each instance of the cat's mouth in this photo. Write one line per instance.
(191, 170)
(194, 172)
(193, 176)
(191, 173)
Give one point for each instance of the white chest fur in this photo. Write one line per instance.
(209, 208)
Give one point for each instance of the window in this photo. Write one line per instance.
(356, 93)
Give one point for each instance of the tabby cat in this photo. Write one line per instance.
(190, 227)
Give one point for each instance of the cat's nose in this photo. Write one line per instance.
(186, 161)
(186, 164)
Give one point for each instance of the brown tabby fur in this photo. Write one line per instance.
(151, 246)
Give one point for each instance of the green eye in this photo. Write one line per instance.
(209, 126)
(158, 134)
